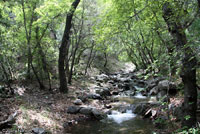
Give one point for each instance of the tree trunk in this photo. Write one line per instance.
(28, 36)
(63, 47)
(188, 74)
(78, 40)
(72, 64)
(106, 59)
(89, 59)
(42, 54)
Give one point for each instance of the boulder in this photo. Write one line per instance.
(168, 86)
(151, 86)
(98, 114)
(73, 109)
(141, 83)
(38, 131)
(103, 92)
(140, 109)
(86, 110)
(153, 91)
(111, 82)
(164, 84)
(162, 96)
(115, 92)
(83, 98)
(102, 78)
(124, 86)
(94, 96)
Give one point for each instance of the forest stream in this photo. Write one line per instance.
(121, 118)
(116, 123)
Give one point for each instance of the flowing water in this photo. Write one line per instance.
(117, 122)
(134, 125)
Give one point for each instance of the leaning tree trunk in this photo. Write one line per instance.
(188, 74)
(63, 47)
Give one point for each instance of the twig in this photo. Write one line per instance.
(9, 121)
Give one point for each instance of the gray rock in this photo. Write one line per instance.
(73, 109)
(128, 93)
(115, 92)
(155, 81)
(94, 96)
(167, 86)
(103, 92)
(151, 86)
(154, 91)
(83, 98)
(111, 81)
(162, 85)
(86, 111)
(102, 78)
(141, 83)
(98, 114)
(78, 102)
(140, 109)
(39, 131)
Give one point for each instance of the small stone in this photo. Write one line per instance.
(78, 102)
(115, 93)
(73, 109)
(108, 106)
(38, 131)
(83, 98)
(94, 96)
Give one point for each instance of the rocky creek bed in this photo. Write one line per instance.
(124, 103)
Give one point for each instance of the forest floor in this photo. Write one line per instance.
(39, 109)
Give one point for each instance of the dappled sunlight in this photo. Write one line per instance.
(129, 67)
(33, 118)
(20, 90)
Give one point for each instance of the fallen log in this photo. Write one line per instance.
(8, 122)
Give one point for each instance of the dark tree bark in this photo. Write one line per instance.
(63, 47)
(90, 57)
(106, 59)
(188, 74)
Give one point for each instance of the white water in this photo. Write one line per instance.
(139, 88)
(140, 96)
(121, 117)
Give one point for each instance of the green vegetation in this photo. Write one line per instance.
(58, 41)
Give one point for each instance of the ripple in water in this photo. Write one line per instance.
(140, 96)
(121, 117)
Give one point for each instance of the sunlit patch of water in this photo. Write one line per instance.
(140, 96)
(119, 117)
